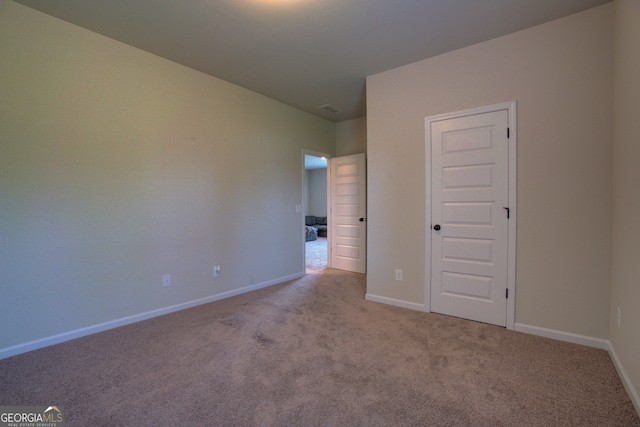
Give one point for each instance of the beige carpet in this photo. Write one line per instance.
(313, 352)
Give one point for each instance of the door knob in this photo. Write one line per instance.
(361, 220)
(436, 227)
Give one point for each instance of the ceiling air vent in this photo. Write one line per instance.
(329, 108)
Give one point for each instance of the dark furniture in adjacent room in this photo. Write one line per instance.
(319, 222)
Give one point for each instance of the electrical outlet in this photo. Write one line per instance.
(398, 275)
(216, 270)
(166, 280)
(619, 317)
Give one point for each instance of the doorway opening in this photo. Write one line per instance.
(315, 209)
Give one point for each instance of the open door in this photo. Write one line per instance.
(348, 213)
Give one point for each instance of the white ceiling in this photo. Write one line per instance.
(305, 53)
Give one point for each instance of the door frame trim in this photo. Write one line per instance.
(511, 108)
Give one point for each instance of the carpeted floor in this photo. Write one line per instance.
(316, 255)
(314, 352)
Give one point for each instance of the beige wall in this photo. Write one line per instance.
(625, 288)
(317, 192)
(560, 74)
(351, 137)
(117, 166)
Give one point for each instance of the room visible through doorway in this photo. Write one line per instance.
(315, 212)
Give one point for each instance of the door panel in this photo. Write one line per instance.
(472, 250)
(347, 207)
(469, 251)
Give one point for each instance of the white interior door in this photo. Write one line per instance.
(469, 216)
(347, 213)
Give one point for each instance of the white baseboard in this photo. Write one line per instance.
(78, 333)
(626, 381)
(396, 302)
(563, 336)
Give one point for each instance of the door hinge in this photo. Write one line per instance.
(508, 212)
(508, 133)
(507, 293)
